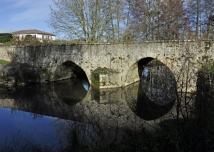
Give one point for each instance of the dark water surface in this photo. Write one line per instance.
(51, 114)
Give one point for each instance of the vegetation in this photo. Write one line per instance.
(31, 41)
(5, 37)
(90, 21)
(116, 21)
(28, 41)
(133, 20)
(2, 62)
(19, 145)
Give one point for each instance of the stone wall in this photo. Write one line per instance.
(6, 53)
(120, 58)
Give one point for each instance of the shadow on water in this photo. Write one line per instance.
(148, 110)
(71, 92)
(52, 99)
(144, 107)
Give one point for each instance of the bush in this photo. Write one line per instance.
(29, 38)
(5, 37)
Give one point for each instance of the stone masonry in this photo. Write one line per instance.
(118, 61)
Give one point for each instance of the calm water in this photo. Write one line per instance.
(48, 114)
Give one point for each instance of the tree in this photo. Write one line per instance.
(143, 18)
(88, 20)
(157, 19)
(198, 13)
(173, 22)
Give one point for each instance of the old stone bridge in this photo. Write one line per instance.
(117, 65)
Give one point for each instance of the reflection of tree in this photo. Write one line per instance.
(18, 143)
(81, 136)
(158, 82)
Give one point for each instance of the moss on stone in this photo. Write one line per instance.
(46, 72)
(95, 82)
(3, 62)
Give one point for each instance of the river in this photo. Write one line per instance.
(51, 114)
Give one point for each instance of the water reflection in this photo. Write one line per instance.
(73, 108)
(86, 85)
(143, 106)
(71, 92)
(158, 82)
(156, 91)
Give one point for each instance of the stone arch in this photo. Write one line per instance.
(133, 72)
(69, 69)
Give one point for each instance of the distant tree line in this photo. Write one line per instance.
(133, 20)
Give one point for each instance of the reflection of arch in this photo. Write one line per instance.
(143, 107)
(69, 70)
(53, 99)
(71, 91)
(148, 110)
(154, 98)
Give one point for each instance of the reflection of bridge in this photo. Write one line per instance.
(117, 64)
(107, 107)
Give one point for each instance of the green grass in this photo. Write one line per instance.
(2, 62)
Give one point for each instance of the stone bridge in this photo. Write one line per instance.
(117, 65)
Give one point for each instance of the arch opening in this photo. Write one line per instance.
(71, 83)
(69, 70)
(157, 81)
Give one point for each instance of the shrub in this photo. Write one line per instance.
(28, 38)
(5, 37)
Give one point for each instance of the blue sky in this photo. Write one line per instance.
(24, 14)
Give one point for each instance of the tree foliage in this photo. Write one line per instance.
(133, 20)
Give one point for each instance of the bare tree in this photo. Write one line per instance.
(87, 20)
(157, 19)
(198, 13)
